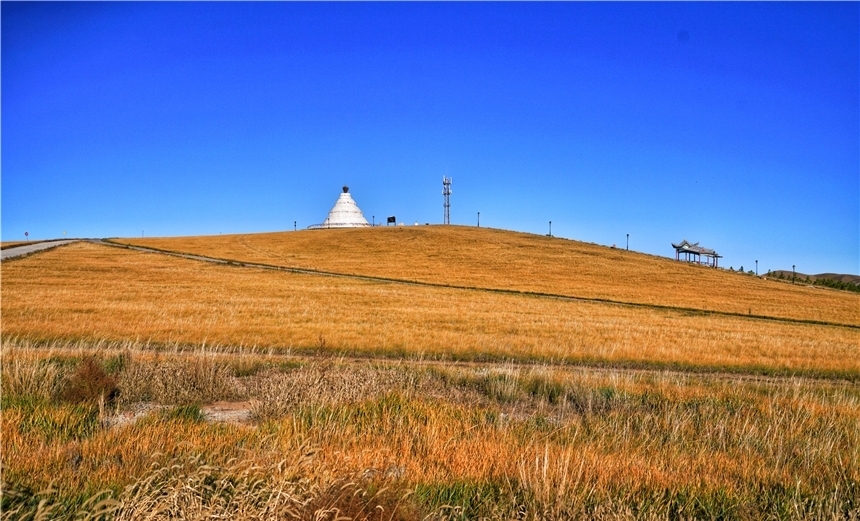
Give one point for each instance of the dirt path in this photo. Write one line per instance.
(27, 249)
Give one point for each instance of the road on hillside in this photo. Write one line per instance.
(17, 251)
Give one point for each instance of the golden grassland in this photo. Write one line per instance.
(12, 244)
(96, 292)
(383, 400)
(489, 258)
(396, 440)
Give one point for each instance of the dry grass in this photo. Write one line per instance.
(416, 438)
(12, 244)
(469, 442)
(490, 258)
(92, 292)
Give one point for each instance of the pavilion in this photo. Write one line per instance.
(694, 253)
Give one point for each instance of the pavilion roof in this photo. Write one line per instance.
(686, 246)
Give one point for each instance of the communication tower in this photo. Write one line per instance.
(446, 191)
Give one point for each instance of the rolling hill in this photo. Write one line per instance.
(498, 259)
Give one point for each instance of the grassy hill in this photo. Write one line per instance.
(488, 258)
(98, 292)
(370, 398)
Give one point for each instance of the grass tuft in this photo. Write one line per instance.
(89, 383)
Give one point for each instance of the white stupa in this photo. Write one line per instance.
(344, 214)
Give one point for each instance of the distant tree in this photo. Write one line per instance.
(836, 284)
(741, 269)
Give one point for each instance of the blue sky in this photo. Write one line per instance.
(732, 124)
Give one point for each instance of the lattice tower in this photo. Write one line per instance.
(446, 191)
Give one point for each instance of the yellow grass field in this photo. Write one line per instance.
(96, 292)
(370, 399)
(482, 257)
(497, 441)
(12, 244)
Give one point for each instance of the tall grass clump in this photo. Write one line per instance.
(274, 394)
(191, 489)
(180, 380)
(22, 380)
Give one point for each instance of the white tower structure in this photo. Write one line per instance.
(344, 214)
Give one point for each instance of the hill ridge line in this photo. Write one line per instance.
(597, 300)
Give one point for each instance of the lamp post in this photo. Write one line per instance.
(374, 220)
(756, 268)
(550, 228)
(628, 242)
(479, 219)
(294, 226)
(792, 274)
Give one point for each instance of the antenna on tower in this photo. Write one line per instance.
(446, 191)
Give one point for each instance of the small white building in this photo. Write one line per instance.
(344, 214)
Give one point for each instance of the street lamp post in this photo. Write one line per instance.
(294, 226)
(793, 274)
(628, 242)
(550, 228)
(756, 268)
(374, 220)
(479, 219)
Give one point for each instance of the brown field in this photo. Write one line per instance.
(12, 244)
(489, 258)
(405, 441)
(366, 399)
(96, 292)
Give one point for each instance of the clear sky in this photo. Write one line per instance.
(732, 124)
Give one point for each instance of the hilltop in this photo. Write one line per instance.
(499, 259)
